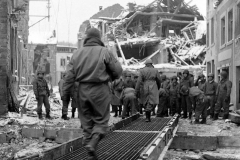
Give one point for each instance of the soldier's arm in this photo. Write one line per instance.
(229, 88)
(69, 81)
(35, 89)
(217, 90)
(48, 91)
(158, 80)
(113, 66)
(191, 82)
(139, 81)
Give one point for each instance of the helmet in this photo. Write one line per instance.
(164, 77)
(174, 77)
(184, 89)
(211, 75)
(128, 74)
(201, 76)
(40, 72)
(148, 61)
(186, 72)
(224, 74)
(136, 74)
(93, 32)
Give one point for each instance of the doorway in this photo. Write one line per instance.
(238, 87)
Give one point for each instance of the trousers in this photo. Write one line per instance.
(43, 100)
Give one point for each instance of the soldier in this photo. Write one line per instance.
(139, 100)
(174, 95)
(128, 82)
(65, 103)
(186, 81)
(41, 91)
(92, 66)
(223, 96)
(74, 96)
(200, 83)
(209, 90)
(201, 107)
(162, 106)
(128, 99)
(166, 85)
(150, 78)
(117, 87)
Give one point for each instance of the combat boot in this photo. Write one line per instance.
(73, 114)
(190, 115)
(196, 121)
(204, 121)
(92, 146)
(215, 117)
(212, 115)
(120, 113)
(225, 116)
(48, 116)
(148, 117)
(40, 116)
(65, 117)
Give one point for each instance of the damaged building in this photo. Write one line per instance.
(167, 31)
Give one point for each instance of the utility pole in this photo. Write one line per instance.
(44, 17)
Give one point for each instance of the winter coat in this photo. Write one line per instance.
(116, 88)
(173, 90)
(127, 93)
(129, 84)
(188, 82)
(40, 87)
(60, 85)
(93, 63)
(166, 86)
(150, 78)
(224, 88)
(210, 88)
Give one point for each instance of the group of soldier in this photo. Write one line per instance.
(95, 80)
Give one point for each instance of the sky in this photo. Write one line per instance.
(66, 16)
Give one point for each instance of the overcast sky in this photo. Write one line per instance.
(67, 15)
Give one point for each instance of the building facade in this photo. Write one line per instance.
(14, 16)
(63, 57)
(223, 46)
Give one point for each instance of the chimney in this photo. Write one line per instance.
(100, 8)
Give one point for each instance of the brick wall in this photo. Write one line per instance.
(4, 55)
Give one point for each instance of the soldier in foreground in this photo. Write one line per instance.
(92, 66)
(41, 91)
(223, 96)
(150, 78)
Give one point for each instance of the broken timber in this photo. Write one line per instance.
(178, 57)
(120, 49)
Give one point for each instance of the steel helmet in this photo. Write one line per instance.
(224, 74)
(211, 75)
(174, 77)
(40, 72)
(148, 61)
(186, 72)
(164, 77)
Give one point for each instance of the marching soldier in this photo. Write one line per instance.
(209, 90)
(92, 66)
(223, 96)
(150, 78)
(42, 92)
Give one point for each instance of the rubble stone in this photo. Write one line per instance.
(3, 138)
(50, 133)
(219, 156)
(32, 133)
(234, 117)
(65, 135)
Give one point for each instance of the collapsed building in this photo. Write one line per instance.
(167, 31)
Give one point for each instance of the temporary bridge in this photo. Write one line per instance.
(129, 139)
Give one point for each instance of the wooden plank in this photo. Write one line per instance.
(120, 49)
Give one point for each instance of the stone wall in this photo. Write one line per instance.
(4, 54)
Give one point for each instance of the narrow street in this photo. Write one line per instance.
(126, 80)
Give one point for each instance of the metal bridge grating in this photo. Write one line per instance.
(117, 146)
(156, 124)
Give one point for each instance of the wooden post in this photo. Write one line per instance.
(178, 57)
(120, 49)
